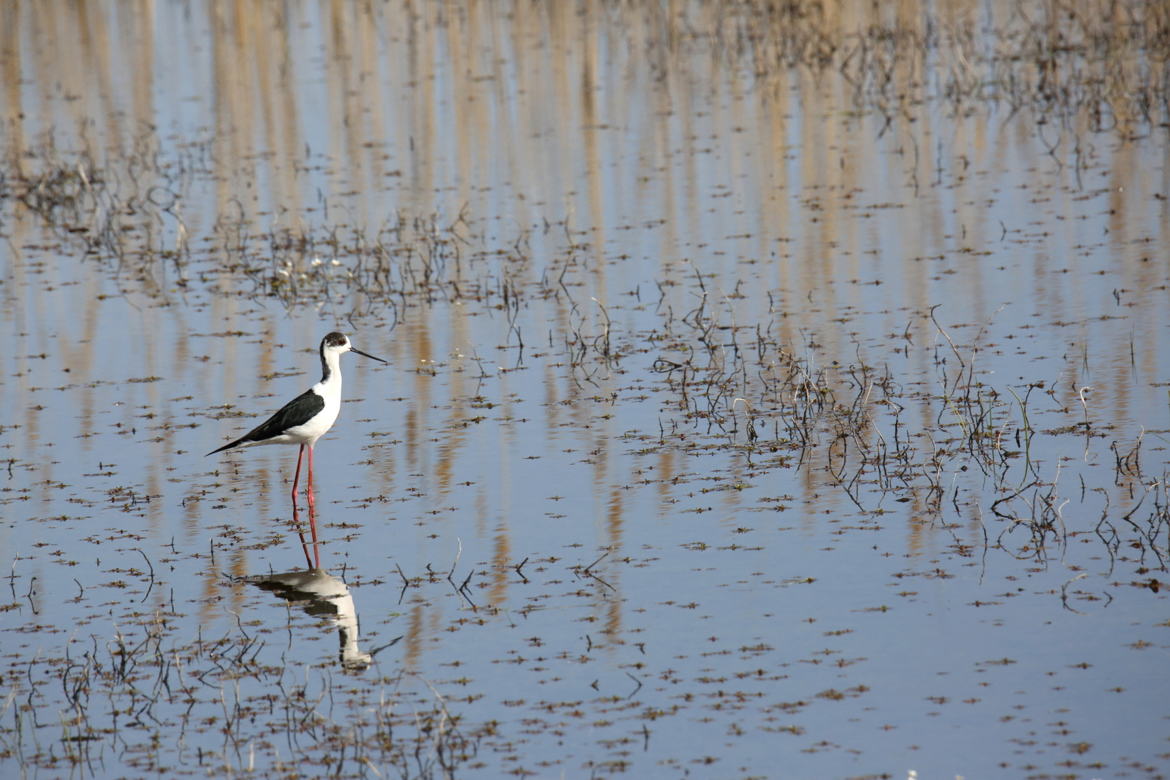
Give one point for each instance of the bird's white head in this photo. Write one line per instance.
(336, 344)
(333, 347)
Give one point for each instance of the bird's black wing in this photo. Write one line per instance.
(296, 412)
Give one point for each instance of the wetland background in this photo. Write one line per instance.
(776, 389)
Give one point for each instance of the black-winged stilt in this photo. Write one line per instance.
(310, 415)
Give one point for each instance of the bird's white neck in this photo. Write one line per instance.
(330, 369)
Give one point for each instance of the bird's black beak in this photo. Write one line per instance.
(366, 354)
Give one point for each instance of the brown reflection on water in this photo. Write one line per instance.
(415, 635)
(192, 515)
(664, 476)
(613, 601)
(501, 570)
(822, 494)
(593, 135)
(80, 353)
(279, 100)
(233, 107)
(455, 426)
(11, 91)
(420, 360)
(218, 593)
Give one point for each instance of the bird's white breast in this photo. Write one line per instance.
(317, 427)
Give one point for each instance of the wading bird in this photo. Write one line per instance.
(310, 415)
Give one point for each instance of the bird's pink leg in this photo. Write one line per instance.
(312, 504)
(297, 476)
(310, 490)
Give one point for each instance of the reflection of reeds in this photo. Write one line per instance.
(735, 381)
(1102, 61)
(128, 690)
(419, 259)
(850, 424)
(129, 215)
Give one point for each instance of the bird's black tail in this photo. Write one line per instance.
(229, 445)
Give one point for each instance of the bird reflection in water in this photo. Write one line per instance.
(321, 594)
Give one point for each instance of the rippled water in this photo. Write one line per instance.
(740, 420)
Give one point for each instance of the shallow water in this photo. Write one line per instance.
(734, 425)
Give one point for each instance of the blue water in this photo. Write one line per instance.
(602, 574)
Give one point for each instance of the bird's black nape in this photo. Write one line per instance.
(334, 339)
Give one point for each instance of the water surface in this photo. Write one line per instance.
(743, 419)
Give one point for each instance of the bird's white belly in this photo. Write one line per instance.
(315, 428)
